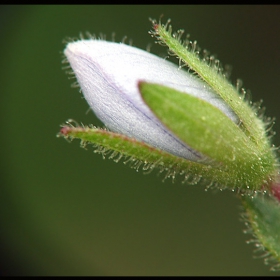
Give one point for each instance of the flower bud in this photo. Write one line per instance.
(108, 74)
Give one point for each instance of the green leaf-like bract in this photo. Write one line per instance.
(206, 129)
(117, 146)
(263, 220)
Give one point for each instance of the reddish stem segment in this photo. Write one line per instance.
(275, 188)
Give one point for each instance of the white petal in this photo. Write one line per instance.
(108, 74)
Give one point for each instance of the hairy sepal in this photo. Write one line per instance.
(213, 77)
(209, 131)
(139, 154)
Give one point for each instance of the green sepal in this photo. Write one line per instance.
(118, 146)
(210, 132)
(139, 154)
(213, 77)
(262, 218)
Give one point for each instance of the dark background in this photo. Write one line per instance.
(65, 210)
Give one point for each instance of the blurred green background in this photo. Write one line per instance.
(65, 210)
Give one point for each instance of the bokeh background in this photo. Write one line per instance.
(65, 210)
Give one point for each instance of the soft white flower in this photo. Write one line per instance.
(108, 74)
